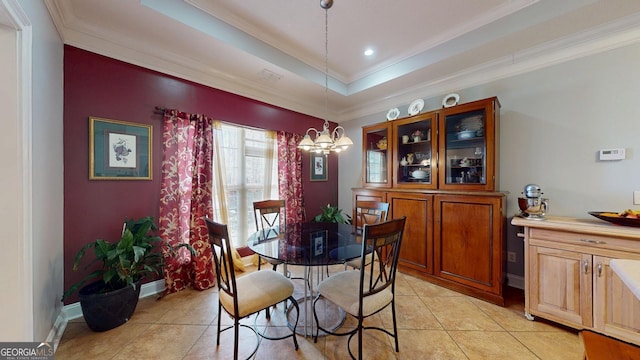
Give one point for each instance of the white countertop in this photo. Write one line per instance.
(629, 273)
(592, 226)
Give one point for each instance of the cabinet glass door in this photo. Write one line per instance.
(468, 146)
(415, 148)
(377, 154)
(465, 148)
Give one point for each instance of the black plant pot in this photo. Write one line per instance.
(105, 311)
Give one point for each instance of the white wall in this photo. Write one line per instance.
(15, 283)
(47, 168)
(31, 182)
(553, 122)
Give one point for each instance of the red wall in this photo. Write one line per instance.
(96, 85)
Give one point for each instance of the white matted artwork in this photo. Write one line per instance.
(318, 164)
(122, 150)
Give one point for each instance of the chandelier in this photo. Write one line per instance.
(326, 141)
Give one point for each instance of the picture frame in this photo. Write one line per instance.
(319, 167)
(119, 150)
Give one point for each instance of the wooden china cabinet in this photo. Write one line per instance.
(439, 170)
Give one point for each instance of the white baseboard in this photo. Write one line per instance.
(515, 281)
(55, 334)
(74, 311)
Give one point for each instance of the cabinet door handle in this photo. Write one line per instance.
(593, 241)
(599, 269)
(586, 266)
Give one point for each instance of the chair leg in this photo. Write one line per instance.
(395, 327)
(219, 313)
(360, 339)
(315, 316)
(295, 304)
(236, 336)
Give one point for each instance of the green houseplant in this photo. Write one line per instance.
(110, 300)
(332, 214)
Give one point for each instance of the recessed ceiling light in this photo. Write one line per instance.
(368, 52)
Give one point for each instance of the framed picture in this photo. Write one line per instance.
(119, 150)
(319, 167)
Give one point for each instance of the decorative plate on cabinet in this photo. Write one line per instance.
(450, 100)
(393, 114)
(416, 106)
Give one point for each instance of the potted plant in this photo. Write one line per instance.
(111, 299)
(332, 214)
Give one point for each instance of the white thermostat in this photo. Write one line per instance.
(612, 154)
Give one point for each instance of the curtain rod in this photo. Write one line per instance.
(159, 110)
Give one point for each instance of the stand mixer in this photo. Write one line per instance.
(533, 206)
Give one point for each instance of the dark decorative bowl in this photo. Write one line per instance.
(618, 220)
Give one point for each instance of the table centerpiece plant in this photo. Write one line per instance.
(332, 214)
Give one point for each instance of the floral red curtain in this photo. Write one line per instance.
(290, 175)
(185, 199)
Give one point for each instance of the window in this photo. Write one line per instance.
(250, 174)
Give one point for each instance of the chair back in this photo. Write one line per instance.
(222, 258)
(384, 239)
(269, 213)
(370, 212)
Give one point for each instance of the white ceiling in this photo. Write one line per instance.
(274, 50)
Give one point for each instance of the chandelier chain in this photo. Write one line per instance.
(326, 64)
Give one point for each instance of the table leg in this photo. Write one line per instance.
(332, 316)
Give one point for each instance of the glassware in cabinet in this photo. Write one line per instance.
(468, 146)
(377, 149)
(415, 148)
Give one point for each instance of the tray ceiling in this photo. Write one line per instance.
(274, 50)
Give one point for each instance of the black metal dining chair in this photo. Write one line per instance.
(269, 214)
(367, 291)
(367, 212)
(247, 295)
(370, 212)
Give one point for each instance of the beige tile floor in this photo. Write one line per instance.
(433, 323)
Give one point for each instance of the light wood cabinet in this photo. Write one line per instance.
(616, 310)
(560, 285)
(568, 278)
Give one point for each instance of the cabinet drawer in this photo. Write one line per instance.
(596, 244)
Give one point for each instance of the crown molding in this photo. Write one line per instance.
(608, 36)
(604, 38)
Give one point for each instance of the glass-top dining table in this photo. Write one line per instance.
(310, 245)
